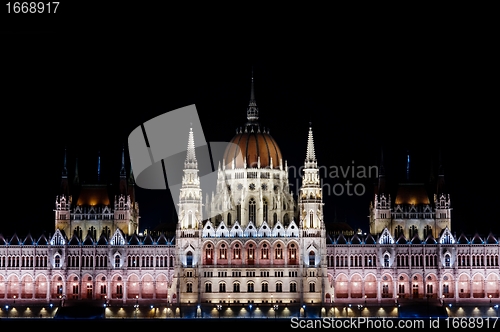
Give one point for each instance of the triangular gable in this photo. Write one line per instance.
(42, 240)
(14, 240)
(58, 239)
(28, 241)
(117, 239)
(491, 239)
(74, 241)
(386, 237)
(162, 240)
(103, 240)
(446, 237)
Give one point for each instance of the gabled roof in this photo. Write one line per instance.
(89, 241)
(103, 240)
(42, 240)
(462, 239)
(162, 240)
(74, 241)
(134, 240)
(148, 240)
(28, 241)
(491, 239)
(14, 240)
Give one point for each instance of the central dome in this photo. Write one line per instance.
(253, 144)
(255, 147)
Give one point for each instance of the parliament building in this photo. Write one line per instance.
(263, 250)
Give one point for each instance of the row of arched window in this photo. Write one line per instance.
(352, 260)
(264, 251)
(477, 260)
(250, 287)
(23, 261)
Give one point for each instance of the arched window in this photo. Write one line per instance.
(447, 260)
(398, 231)
(311, 219)
(251, 253)
(286, 219)
(209, 253)
(427, 231)
(237, 251)
(386, 260)
(413, 231)
(229, 219)
(238, 213)
(223, 251)
(292, 253)
(252, 210)
(189, 258)
(265, 210)
(265, 251)
(190, 219)
(278, 252)
(312, 258)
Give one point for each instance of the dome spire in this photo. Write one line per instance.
(252, 109)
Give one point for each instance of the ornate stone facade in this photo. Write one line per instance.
(260, 248)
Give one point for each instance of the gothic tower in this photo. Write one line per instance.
(312, 226)
(96, 209)
(188, 232)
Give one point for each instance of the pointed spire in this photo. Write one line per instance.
(310, 154)
(65, 170)
(131, 179)
(381, 174)
(252, 109)
(123, 172)
(123, 175)
(64, 178)
(191, 156)
(98, 166)
(76, 179)
(440, 180)
(407, 165)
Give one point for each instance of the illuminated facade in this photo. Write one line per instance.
(261, 248)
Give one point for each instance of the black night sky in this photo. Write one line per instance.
(85, 91)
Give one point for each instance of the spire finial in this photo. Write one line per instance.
(191, 156)
(123, 172)
(99, 166)
(310, 155)
(252, 109)
(65, 170)
(407, 165)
